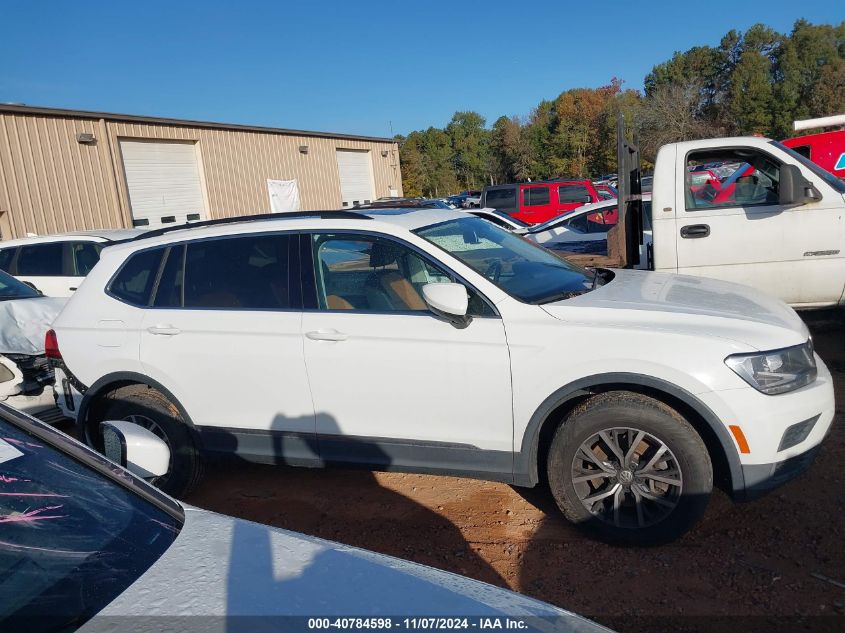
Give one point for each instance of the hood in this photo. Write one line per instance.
(686, 304)
(222, 566)
(24, 322)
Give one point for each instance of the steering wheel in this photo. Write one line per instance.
(494, 270)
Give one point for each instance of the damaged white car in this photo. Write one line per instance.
(26, 378)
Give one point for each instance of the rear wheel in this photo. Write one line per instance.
(630, 468)
(150, 409)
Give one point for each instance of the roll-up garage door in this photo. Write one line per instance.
(164, 182)
(356, 177)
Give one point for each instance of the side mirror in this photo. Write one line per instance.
(137, 449)
(792, 188)
(449, 301)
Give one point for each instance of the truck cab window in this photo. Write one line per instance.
(730, 178)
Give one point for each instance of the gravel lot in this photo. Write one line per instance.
(760, 560)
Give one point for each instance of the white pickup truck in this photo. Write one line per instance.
(748, 210)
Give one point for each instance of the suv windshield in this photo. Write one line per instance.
(819, 171)
(72, 538)
(523, 270)
(11, 288)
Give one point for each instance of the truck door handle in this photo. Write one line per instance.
(163, 330)
(326, 335)
(695, 231)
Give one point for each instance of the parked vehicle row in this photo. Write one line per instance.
(537, 202)
(350, 312)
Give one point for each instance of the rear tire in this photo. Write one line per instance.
(151, 409)
(629, 469)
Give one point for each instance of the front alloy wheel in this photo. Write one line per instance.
(629, 468)
(627, 477)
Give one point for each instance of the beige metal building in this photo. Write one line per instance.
(67, 170)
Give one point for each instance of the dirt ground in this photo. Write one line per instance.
(760, 560)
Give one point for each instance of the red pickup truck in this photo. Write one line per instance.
(536, 202)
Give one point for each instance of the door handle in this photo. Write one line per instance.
(326, 335)
(163, 330)
(695, 231)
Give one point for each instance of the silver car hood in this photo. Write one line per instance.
(682, 303)
(222, 566)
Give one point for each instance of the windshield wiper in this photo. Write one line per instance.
(559, 297)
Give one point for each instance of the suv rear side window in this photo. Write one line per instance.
(534, 196)
(6, 257)
(41, 260)
(134, 282)
(504, 198)
(568, 194)
(85, 256)
(239, 273)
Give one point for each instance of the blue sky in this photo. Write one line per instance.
(352, 66)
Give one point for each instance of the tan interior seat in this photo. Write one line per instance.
(401, 291)
(338, 303)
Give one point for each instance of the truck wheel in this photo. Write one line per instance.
(630, 469)
(152, 410)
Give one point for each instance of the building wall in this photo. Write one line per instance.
(50, 183)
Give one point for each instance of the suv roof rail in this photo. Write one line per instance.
(260, 217)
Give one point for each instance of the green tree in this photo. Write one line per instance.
(411, 159)
(750, 95)
(510, 151)
(470, 149)
(538, 136)
(439, 178)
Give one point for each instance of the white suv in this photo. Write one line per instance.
(55, 265)
(431, 341)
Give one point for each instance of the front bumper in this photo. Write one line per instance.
(783, 432)
(763, 478)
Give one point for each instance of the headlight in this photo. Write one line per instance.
(778, 371)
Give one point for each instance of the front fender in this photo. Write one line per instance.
(526, 459)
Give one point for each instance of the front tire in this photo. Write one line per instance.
(630, 469)
(149, 408)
